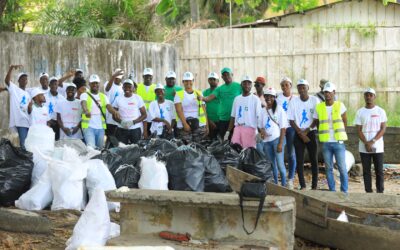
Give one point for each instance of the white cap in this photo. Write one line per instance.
(213, 75)
(132, 75)
(188, 76)
(246, 78)
(94, 78)
(370, 90)
(43, 74)
(53, 78)
(270, 91)
(79, 70)
(128, 81)
(119, 76)
(286, 79)
(170, 74)
(302, 82)
(329, 87)
(37, 91)
(21, 74)
(148, 71)
(159, 86)
(69, 84)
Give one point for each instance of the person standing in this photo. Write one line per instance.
(320, 94)
(331, 119)
(132, 113)
(284, 100)
(191, 112)
(371, 126)
(69, 113)
(146, 91)
(212, 106)
(225, 93)
(38, 112)
(162, 112)
(259, 85)
(52, 99)
(171, 88)
(245, 116)
(94, 106)
(273, 126)
(19, 101)
(300, 114)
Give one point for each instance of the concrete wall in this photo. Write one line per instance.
(56, 55)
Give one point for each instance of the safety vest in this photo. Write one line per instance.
(147, 96)
(337, 122)
(89, 104)
(202, 115)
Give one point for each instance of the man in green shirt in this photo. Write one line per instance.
(170, 87)
(212, 106)
(225, 93)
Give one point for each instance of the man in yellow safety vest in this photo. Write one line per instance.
(146, 91)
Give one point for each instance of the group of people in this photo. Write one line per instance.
(266, 120)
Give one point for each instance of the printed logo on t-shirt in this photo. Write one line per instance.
(268, 124)
(23, 102)
(240, 112)
(162, 113)
(131, 103)
(75, 109)
(285, 105)
(304, 118)
(51, 108)
(374, 116)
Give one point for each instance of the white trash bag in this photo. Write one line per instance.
(40, 164)
(39, 196)
(94, 226)
(349, 158)
(40, 136)
(153, 175)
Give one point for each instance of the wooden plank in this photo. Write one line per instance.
(363, 12)
(397, 14)
(237, 177)
(380, 59)
(390, 15)
(372, 13)
(381, 14)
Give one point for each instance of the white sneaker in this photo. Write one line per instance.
(290, 184)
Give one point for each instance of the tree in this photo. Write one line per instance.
(15, 14)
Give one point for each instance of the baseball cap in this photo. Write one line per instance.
(170, 74)
(128, 81)
(329, 87)
(53, 78)
(213, 75)
(159, 86)
(37, 91)
(228, 70)
(43, 74)
(270, 91)
(260, 79)
(286, 79)
(119, 76)
(69, 84)
(148, 71)
(322, 82)
(79, 71)
(94, 78)
(22, 74)
(370, 90)
(246, 78)
(302, 82)
(188, 76)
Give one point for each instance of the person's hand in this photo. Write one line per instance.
(368, 146)
(75, 130)
(207, 131)
(305, 138)
(279, 148)
(116, 116)
(126, 124)
(2, 89)
(118, 73)
(66, 131)
(88, 114)
(212, 125)
(15, 66)
(186, 127)
(263, 134)
(145, 135)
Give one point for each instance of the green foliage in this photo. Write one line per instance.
(17, 13)
(294, 5)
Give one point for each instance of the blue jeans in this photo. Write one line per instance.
(330, 149)
(22, 134)
(277, 159)
(290, 132)
(94, 137)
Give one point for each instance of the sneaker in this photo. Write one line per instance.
(290, 184)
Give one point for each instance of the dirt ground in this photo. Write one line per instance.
(65, 220)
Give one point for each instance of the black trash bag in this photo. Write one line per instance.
(178, 142)
(15, 172)
(112, 160)
(214, 180)
(161, 148)
(225, 154)
(127, 175)
(143, 143)
(130, 154)
(185, 170)
(253, 162)
(237, 147)
(199, 148)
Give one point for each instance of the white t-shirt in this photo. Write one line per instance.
(62, 91)
(29, 90)
(165, 110)
(96, 115)
(112, 94)
(39, 115)
(302, 113)
(330, 121)
(284, 101)
(129, 108)
(71, 114)
(190, 106)
(51, 103)
(246, 110)
(370, 120)
(272, 129)
(19, 101)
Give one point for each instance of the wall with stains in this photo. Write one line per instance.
(56, 55)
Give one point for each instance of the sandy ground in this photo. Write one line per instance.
(65, 220)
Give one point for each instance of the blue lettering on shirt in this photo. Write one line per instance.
(285, 105)
(303, 117)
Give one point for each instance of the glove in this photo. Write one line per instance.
(126, 124)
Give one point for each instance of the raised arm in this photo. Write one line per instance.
(68, 75)
(7, 80)
(112, 79)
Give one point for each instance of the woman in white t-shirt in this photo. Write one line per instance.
(371, 125)
(38, 112)
(274, 123)
(189, 108)
(162, 113)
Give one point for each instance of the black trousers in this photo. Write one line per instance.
(222, 127)
(56, 129)
(213, 133)
(312, 149)
(378, 165)
(111, 131)
(129, 136)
